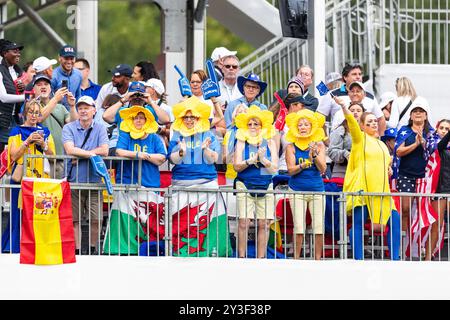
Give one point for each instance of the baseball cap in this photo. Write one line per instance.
(221, 52)
(86, 100)
(9, 45)
(137, 86)
(41, 77)
(42, 63)
(122, 70)
(332, 76)
(156, 84)
(356, 83)
(420, 102)
(386, 98)
(67, 51)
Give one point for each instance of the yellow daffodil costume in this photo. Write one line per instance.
(199, 109)
(267, 129)
(127, 124)
(317, 133)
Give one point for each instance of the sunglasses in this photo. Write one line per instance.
(189, 118)
(229, 66)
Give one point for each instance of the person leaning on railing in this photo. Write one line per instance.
(367, 171)
(31, 139)
(138, 140)
(305, 159)
(84, 138)
(255, 161)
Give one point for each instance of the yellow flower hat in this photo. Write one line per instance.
(127, 124)
(267, 129)
(199, 109)
(317, 134)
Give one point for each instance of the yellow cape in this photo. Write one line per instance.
(267, 129)
(127, 124)
(317, 133)
(199, 109)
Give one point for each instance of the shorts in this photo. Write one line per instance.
(87, 204)
(299, 203)
(248, 206)
(405, 184)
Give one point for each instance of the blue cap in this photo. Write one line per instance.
(122, 70)
(137, 86)
(67, 51)
(389, 134)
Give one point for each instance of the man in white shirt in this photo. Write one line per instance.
(229, 90)
(351, 73)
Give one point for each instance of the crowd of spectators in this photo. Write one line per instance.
(61, 111)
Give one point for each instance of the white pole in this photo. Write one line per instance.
(316, 40)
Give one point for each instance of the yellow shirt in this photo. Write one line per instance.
(230, 173)
(367, 171)
(35, 166)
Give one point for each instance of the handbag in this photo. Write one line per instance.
(17, 174)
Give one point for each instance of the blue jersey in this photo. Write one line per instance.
(193, 165)
(308, 179)
(150, 172)
(255, 176)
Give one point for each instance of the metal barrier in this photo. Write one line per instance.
(205, 221)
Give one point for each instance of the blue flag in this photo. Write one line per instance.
(99, 166)
(183, 83)
(323, 89)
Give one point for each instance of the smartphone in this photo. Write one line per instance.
(41, 132)
(28, 94)
(64, 84)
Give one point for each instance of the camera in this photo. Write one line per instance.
(294, 18)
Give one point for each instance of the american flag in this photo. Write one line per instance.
(423, 215)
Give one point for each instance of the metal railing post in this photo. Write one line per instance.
(343, 241)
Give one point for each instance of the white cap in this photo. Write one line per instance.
(422, 103)
(356, 83)
(156, 84)
(43, 63)
(332, 76)
(86, 100)
(386, 98)
(221, 52)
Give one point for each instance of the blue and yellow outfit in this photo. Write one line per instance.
(309, 178)
(143, 140)
(34, 168)
(255, 176)
(193, 166)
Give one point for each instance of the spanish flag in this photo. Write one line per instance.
(47, 226)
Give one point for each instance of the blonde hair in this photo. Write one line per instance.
(404, 87)
(29, 105)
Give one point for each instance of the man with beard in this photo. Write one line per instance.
(10, 92)
(119, 84)
(66, 75)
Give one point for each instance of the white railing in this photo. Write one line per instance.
(372, 32)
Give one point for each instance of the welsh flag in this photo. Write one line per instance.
(47, 226)
(200, 225)
(136, 216)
